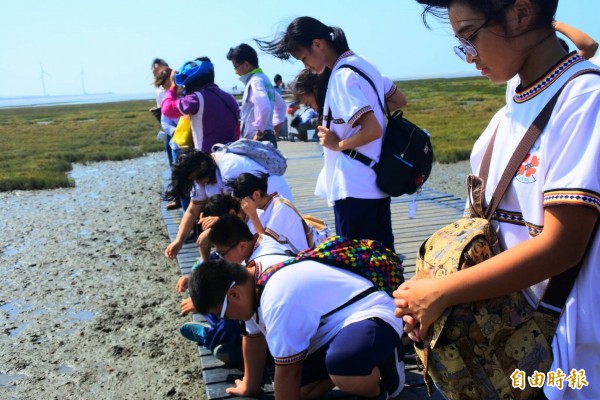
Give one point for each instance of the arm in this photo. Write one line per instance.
(369, 130)
(560, 246)
(169, 104)
(263, 109)
(204, 245)
(254, 350)
(287, 381)
(249, 207)
(395, 99)
(185, 226)
(585, 44)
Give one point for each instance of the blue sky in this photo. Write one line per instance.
(111, 43)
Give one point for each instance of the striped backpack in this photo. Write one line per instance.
(367, 258)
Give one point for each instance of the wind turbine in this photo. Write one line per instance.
(42, 73)
(82, 82)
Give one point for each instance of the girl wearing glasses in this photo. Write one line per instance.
(547, 217)
(356, 122)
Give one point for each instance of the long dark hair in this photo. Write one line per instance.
(300, 34)
(190, 163)
(492, 10)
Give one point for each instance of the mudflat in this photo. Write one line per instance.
(88, 308)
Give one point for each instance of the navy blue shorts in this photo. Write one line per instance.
(365, 219)
(354, 351)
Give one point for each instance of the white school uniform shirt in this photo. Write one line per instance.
(295, 298)
(258, 102)
(282, 223)
(563, 167)
(349, 96)
(230, 166)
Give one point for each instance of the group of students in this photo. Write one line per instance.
(546, 222)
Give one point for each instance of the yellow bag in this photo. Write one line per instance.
(183, 133)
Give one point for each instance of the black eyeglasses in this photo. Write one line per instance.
(466, 47)
(222, 254)
(235, 67)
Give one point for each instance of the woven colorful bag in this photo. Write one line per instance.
(367, 258)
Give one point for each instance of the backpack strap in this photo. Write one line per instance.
(559, 286)
(353, 300)
(307, 230)
(524, 146)
(262, 277)
(353, 153)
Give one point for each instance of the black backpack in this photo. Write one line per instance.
(406, 153)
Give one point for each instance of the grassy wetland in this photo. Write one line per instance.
(39, 144)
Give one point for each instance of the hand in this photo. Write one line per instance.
(412, 328)
(182, 284)
(241, 389)
(207, 222)
(258, 135)
(419, 304)
(172, 77)
(249, 207)
(328, 139)
(173, 249)
(187, 307)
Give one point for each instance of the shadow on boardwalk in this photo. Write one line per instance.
(434, 210)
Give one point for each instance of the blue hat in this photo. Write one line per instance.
(192, 70)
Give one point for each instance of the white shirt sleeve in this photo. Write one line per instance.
(573, 145)
(262, 110)
(353, 104)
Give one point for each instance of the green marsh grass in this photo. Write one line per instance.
(39, 144)
(453, 111)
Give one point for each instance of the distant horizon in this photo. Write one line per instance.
(69, 48)
(151, 93)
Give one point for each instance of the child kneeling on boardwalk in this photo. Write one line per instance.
(354, 348)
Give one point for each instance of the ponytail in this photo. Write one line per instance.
(300, 34)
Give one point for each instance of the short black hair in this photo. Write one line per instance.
(210, 282)
(246, 184)
(220, 204)
(242, 53)
(277, 78)
(229, 230)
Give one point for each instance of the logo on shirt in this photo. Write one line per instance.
(528, 169)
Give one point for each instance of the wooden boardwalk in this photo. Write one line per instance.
(434, 210)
